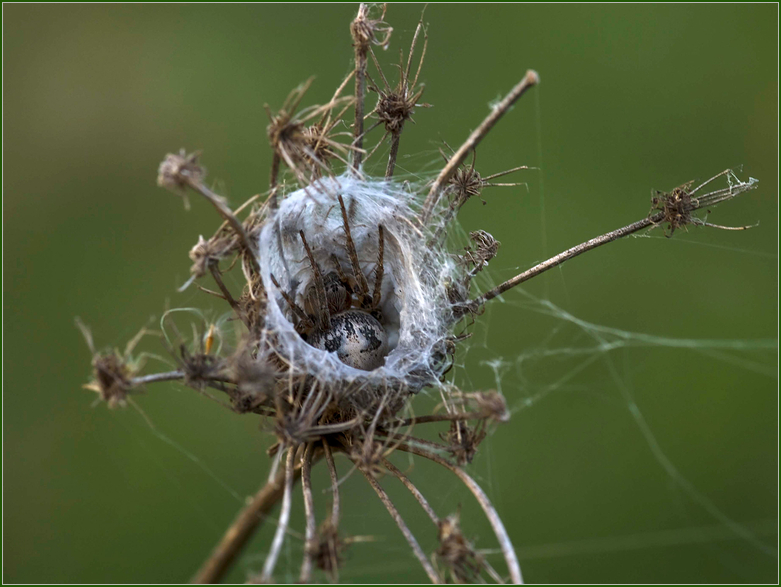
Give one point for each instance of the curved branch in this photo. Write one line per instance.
(496, 523)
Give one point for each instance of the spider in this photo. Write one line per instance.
(340, 313)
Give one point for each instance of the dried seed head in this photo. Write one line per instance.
(207, 253)
(306, 149)
(676, 207)
(201, 369)
(178, 171)
(366, 31)
(112, 372)
(485, 249)
(111, 379)
(457, 553)
(329, 550)
(490, 403)
(255, 380)
(395, 105)
(466, 183)
(395, 108)
(463, 440)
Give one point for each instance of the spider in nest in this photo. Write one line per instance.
(340, 312)
(335, 357)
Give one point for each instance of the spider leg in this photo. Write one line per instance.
(302, 316)
(323, 316)
(360, 278)
(340, 272)
(379, 271)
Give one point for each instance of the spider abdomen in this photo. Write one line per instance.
(358, 339)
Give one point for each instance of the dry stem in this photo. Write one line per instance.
(414, 490)
(493, 517)
(421, 556)
(530, 79)
(284, 518)
(329, 458)
(242, 529)
(309, 508)
(364, 32)
(685, 202)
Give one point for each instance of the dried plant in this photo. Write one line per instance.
(349, 310)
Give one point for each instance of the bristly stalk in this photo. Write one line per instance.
(335, 504)
(675, 208)
(364, 32)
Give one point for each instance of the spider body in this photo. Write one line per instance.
(357, 338)
(339, 313)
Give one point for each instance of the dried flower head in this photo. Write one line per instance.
(178, 171)
(368, 31)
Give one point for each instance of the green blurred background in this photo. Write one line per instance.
(633, 98)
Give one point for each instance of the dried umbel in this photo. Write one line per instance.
(352, 306)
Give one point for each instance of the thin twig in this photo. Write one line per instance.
(530, 79)
(284, 518)
(361, 50)
(496, 523)
(219, 203)
(421, 556)
(157, 377)
(309, 509)
(695, 203)
(225, 292)
(329, 458)
(454, 417)
(272, 196)
(413, 490)
(242, 529)
(394, 151)
(569, 254)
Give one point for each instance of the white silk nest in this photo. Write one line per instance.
(415, 312)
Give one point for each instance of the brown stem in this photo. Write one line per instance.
(309, 508)
(275, 161)
(456, 417)
(569, 254)
(695, 203)
(225, 292)
(496, 523)
(242, 529)
(219, 203)
(361, 50)
(284, 518)
(413, 490)
(394, 151)
(329, 458)
(530, 79)
(421, 556)
(274, 171)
